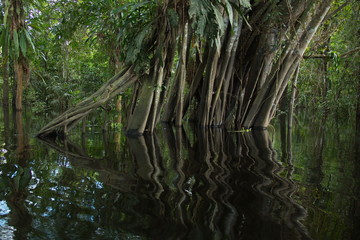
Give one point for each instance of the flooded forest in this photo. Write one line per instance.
(180, 119)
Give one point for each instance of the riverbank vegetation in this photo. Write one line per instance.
(224, 63)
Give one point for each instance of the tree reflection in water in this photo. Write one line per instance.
(200, 184)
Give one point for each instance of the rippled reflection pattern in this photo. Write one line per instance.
(175, 185)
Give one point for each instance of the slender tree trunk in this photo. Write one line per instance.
(19, 74)
(118, 108)
(292, 101)
(182, 78)
(5, 75)
(208, 88)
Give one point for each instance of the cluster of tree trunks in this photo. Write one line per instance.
(235, 83)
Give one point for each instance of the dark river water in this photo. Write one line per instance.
(179, 183)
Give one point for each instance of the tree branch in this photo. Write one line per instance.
(343, 55)
(330, 15)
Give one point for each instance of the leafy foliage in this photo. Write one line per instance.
(338, 36)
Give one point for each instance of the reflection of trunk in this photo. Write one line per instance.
(142, 158)
(315, 167)
(274, 187)
(20, 217)
(79, 158)
(283, 126)
(6, 124)
(203, 181)
(19, 132)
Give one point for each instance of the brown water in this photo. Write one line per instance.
(179, 183)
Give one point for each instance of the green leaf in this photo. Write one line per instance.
(28, 37)
(23, 43)
(230, 13)
(240, 11)
(3, 37)
(194, 7)
(7, 6)
(16, 43)
(135, 49)
(131, 6)
(245, 3)
(219, 19)
(198, 12)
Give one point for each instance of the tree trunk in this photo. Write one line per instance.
(138, 119)
(182, 78)
(5, 75)
(240, 72)
(267, 99)
(19, 74)
(21, 66)
(292, 101)
(64, 122)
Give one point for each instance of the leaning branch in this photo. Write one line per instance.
(333, 13)
(343, 55)
(64, 122)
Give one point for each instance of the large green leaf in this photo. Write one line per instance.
(16, 44)
(245, 3)
(28, 37)
(22, 42)
(198, 12)
(219, 18)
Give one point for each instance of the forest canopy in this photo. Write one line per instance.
(222, 63)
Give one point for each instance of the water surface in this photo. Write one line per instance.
(179, 183)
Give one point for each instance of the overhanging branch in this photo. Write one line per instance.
(343, 55)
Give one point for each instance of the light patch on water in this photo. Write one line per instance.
(6, 231)
(99, 185)
(4, 209)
